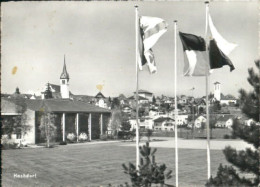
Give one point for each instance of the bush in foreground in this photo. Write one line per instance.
(149, 171)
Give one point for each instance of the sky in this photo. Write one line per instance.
(98, 40)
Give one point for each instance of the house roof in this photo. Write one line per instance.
(100, 95)
(121, 97)
(227, 97)
(62, 105)
(139, 98)
(144, 91)
(199, 101)
(125, 107)
(225, 117)
(161, 119)
(55, 88)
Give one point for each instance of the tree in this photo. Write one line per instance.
(115, 103)
(216, 107)
(109, 100)
(149, 133)
(47, 124)
(154, 100)
(247, 161)
(149, 171)
(125, 125)
(116, 121)
(47, 127)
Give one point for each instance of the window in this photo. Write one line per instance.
(63, 81)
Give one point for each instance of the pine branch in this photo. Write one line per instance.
(246, 161)
(249, 134)
(227, 176)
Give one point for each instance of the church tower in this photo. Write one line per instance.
(64, 82)
(217, 91)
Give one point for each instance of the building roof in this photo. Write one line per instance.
(64, 74)
(62, 105)
(227, 97)
(216, 82)
(139, 98)
(55, 87)
(100, 95)
(144, 91)
(161, 119)
(9, 108)
(224, 118)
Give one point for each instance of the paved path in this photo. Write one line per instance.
(166, 142)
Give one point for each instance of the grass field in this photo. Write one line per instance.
(97, 165)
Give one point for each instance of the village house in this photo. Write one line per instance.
(144, 123)
(101, 100)
(224, 121)
(164, 123)
(198, 121)
(145, 94)
(127, 109)
(141, 100)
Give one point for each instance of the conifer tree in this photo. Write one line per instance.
(247, 161)
(149, 171)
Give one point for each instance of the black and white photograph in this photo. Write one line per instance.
(130, 93)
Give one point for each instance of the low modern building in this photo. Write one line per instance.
(70, 117)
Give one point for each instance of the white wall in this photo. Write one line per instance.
(30, 136)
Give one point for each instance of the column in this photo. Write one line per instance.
(101, 124)
(77, 126)
(89, 126)
(63, 127)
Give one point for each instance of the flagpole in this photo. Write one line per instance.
(137, 85)
(175, 104)
(207, 102)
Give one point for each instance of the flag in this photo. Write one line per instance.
(219, 48)
(195, 55)
(151, 29)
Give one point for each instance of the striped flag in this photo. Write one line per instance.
(151, 29)
(219, 48)
(195, 58)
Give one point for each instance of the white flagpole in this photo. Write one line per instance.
(175, 104)
(136, 93)
(207, 98)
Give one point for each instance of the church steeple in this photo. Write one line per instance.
(64, 74)
(64, 82)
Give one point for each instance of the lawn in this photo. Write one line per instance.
(97, 165)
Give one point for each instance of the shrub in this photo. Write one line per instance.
(83, 137)
(149, 171)
(71, 137)
(103, 137)
(8, 143)
(226, 136)
(125, 135)
(63, 143)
